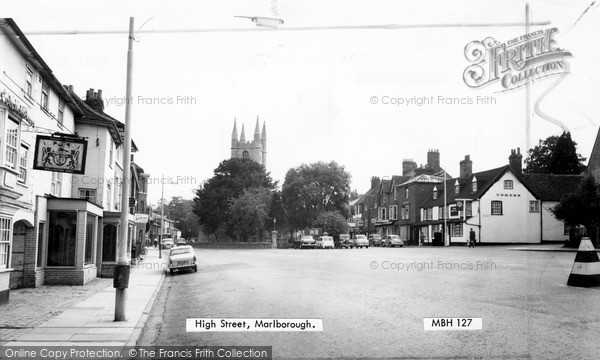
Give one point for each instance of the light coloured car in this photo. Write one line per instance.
(167, 243)
(393, 241)
(304, 241)
(325, 242)
(361, 241)
(181, 241)
(182, 258)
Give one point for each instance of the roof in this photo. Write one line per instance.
(552, 187)
(94, 117)
(19, 39)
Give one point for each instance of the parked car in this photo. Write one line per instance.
(344, 242)
(167, 243)
(361, 241)
(304, 241)
(375, 239)
(324, 242)
(181, 241)
(182, 258)
(392, 241)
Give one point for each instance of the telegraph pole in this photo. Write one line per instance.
(123, 267)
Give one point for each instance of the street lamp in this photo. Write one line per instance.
(444, 211)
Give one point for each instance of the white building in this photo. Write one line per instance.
(501, 205)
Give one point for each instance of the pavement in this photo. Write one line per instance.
(82, 315)
(544, 247)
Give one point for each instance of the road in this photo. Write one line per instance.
(373, 301)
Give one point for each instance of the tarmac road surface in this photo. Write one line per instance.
(373, 302)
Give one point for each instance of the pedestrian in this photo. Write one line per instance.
(421, 238)
(472, 238)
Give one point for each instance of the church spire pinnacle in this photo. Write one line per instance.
(234, 135)
(256, 131)
(243, 135)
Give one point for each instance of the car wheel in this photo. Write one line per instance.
(172, 272)
(195, 269)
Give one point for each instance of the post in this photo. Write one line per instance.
(123, 267)
(444, 213)
(162, 215)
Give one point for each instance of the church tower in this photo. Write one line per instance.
(255, 149)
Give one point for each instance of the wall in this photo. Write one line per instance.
(553, 229)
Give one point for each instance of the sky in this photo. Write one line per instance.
(327, 82)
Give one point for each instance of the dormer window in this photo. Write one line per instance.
(435, 193)
(474, 184)
(456, 187)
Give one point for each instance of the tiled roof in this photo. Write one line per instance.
(551, 187)
(95, 117)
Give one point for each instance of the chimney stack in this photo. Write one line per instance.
(515, 160)
(408, 167)
(94, 100)
(433, 160)
(466, 167)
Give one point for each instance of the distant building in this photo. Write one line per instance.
(255, 149)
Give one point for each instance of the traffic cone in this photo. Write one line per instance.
(586, 269)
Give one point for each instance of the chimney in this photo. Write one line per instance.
(374, 181)
(466, 167)
(94, 100)
(515, 160)
(433, 160)
(408, 167)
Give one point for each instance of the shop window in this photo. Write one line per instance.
(109, 243)
(40, 244)
(62, 238)
(457, 230)
(90, 234)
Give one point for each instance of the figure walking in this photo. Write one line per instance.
(472, 238)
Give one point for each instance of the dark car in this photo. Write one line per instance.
(304, 241)
(345, 242)
(375, 239)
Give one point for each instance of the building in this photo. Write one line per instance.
(45, 235)
(501, 205)
(255, 149)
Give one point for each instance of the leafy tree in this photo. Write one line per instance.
(181, 211)
(332, 222)
(230, 179)
(249, 213)
(310, 190)
(582, 208)
(277, 219)
(555, 155)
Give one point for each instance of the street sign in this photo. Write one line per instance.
(141, 218)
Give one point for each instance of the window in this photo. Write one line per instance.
(108, 196)
(23, 164)
(5, 230)
(393, 212)
(62, 237)
(12, 139)
(395, 194)
(508, 184)
(382, 215)
(110, 154)
(406, 214)
(534, 206)
(29, 81)
(61, 111)
(440, 213)
(40, 242)
(469, 209)
(474, 184)
(56, 184)
(245, 154)
(496, 207)
(430, 214)
(90, 231)
(457, 230)
(88, 194)
(435, 193)
(118, 191)
(456, 187)
(406, 193)
(45, 92)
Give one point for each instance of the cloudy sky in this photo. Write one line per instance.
(323, 81)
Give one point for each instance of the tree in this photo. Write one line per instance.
(582, 208)
(310, 190)
(555, 155)
(332, 222)
(277, 219)
(230, 179)
(181, 211)
(249, 213)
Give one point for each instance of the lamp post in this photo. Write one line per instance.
(444, 211)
